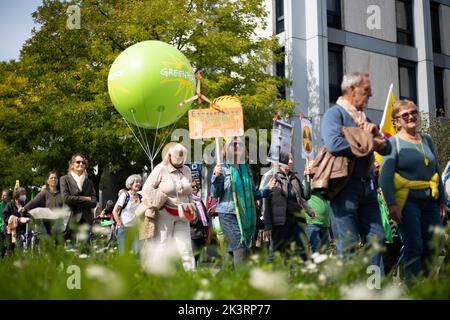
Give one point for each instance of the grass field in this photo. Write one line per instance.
(56, 273)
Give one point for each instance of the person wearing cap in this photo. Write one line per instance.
(232, 183)
(174, 179)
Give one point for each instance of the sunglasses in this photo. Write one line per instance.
(80, 162)
(405, 116)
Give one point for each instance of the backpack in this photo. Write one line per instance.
(127, 198)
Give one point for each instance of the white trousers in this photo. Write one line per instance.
(172, 230)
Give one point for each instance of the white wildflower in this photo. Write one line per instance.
(437, 230)
(203, 295)
(358, 292)
(113, 285)
(393, 292)
(319, 258)
(322, 278)
(214, 270)
(101, 230)
(83, 256)
(18, 264)
(312, 267)
(306, 286)
(82, 235)
(159, 259)
(204, 282)
(270, 282)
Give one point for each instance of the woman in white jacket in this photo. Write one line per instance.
(174, 179)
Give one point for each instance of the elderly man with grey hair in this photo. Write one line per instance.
(355, 212)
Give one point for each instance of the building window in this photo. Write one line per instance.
(407, 80)
(439, 91)
(280, 71)
(435, 29)
(404, 22)
(335, 71)
(334, 14)
(279, 16)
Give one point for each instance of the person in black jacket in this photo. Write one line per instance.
(15, 208)
(78, 193)
(282, 220)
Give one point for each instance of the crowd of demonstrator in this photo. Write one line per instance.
(343, 196)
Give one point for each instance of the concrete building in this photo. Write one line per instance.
(404, 42)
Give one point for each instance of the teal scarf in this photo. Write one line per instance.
(244, 204)
(384, 212)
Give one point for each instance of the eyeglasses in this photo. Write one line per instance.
(80, 162)
(405, 116)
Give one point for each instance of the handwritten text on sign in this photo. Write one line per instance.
(210, 123)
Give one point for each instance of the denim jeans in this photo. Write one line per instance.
(230, 228)
(122, 241)
(355, 215)
(319, 237)
(418, 217)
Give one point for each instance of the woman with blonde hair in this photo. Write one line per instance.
(412, 188)
(174, 179)
(232, 182)
(78, 192)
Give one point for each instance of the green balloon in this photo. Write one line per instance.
(148, 81)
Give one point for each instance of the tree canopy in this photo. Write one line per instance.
(54, 101)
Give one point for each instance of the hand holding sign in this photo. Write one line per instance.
(272, 183)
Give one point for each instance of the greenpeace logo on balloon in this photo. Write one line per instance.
(169, 72)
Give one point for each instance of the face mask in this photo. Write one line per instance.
(23, 198)
(177, 160)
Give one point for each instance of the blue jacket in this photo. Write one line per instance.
(221, 188)
(331, 132)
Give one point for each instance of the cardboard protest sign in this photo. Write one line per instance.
(280, 146)
(212, 123)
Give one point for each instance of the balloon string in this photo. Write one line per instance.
(149, 116)
(140, 133)
(146, 140)
(134, 134)
(164, 140)
(156, 134)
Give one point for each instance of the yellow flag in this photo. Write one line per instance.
(17, 184)
(387, 125)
